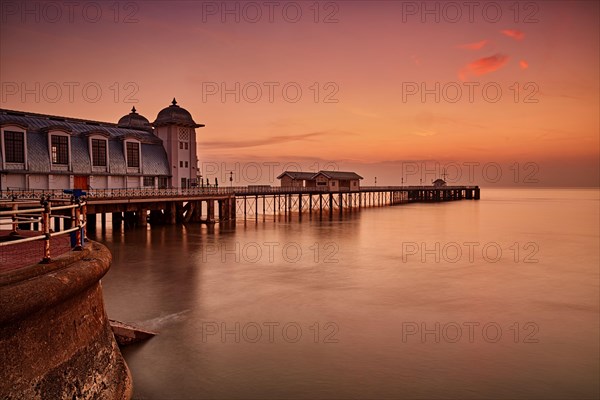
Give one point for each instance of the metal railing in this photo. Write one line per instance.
(131, 193)
(28, 212)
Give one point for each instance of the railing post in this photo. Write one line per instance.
(79, 225)
(15, 223)
(84, 229)
(46, 228)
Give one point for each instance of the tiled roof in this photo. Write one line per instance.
(152, 163)
(37, 152)
(297, 175)
(329, 174)
(340, 175)
(80, 155)
(154, 157)
(116, 158)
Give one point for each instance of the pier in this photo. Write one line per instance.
(137, 207)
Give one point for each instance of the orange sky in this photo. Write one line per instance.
(372, 58)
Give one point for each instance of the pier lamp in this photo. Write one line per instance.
(231, 178)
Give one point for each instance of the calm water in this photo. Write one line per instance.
(361, 307)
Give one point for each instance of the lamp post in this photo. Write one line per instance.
(231, 178)
(375, 181)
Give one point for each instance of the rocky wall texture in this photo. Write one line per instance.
(55, 338)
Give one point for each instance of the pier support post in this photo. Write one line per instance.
(142, 217)
(233, 208)
(222, 211)
(117, 218)
(210, 211)
(197, 212)
(256, 208)
(91, 222)
(320, 205)
(171, 213)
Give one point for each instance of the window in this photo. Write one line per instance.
(185, 145)
(149, 181)
(133, 155)
(162, 182)
(60, 149)
(14, 144)
(98, 153)
(180, 145)
(180, 164)
(186, 164)
(333, 183)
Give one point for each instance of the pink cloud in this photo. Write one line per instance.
(514, 33)
(483, 66)
(474, 46)
(523, 64)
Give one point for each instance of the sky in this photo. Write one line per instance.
(488, 93)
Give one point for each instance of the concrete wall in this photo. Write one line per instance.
(55, 338)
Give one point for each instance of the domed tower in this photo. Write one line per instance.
(133, 120)
(177, 129)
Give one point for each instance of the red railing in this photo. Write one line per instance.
(27, 212)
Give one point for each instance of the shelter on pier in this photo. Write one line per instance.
(333, 180)
(439, 183)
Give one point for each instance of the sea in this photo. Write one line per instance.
(490, 299)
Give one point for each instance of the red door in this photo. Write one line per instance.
(80, 182)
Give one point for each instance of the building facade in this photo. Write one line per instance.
(40, 151)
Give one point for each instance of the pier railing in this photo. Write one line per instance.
(129, 193)
(28, 212)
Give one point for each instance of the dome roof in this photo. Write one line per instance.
(175, 115)
(133, 120)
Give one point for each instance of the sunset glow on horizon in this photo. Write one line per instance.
(364, 85)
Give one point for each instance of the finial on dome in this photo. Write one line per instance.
(133, 110)
(174, 102)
